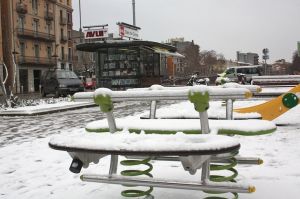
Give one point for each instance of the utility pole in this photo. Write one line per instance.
(80, 29)
(133, 10)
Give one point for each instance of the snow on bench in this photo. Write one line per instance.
(125, 143)
(252, 88)
(286, 80)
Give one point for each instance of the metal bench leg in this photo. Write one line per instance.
(229, 109)
(153, 109)
(111, 122)
(112, 128)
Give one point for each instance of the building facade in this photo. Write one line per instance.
(40, 39)
(188, 64)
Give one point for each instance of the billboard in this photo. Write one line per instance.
(96, 33)
(128, 31)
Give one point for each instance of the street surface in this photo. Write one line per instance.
(21, 129)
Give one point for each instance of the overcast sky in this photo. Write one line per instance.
(226, 26)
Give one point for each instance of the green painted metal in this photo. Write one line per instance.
(290, 100)
(105, 103)
(200, 100)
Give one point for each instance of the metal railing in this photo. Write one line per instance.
(36, 60)
(21, 8)
(35, 35)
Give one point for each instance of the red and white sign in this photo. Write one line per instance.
(128, 32)
(96, 33)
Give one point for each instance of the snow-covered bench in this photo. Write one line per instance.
(282, 80)
(194, 151)
(222, 92)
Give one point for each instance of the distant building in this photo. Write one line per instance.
(41, 39)
(248, 58)
(280, 67)
(83, 62)
(189, 64)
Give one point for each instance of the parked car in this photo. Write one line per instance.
(61, 83)
(90, 83)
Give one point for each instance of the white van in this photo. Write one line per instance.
(232, 73)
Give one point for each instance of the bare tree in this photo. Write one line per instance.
(295, 67)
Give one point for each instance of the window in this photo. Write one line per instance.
(61, 33)
(47, 8)
(35, 25)
(22, 49)
(61, 15)
(69, 54)
(49, 51)
(35, 6)
(36, 51)
(48, 28)
(21, 22)
(69, 35)
(230, 71)
(62, 66)
(69, 15)
(62, 53)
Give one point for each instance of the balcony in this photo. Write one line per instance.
(23, 60)
(53, 1)
(49, 16)
(30, 34)
(21, 8)
(63, 39)
(63, 21)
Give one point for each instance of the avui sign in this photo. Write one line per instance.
(96, 33)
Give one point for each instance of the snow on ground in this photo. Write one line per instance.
(30, 169)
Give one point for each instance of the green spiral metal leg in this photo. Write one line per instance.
(136, 192)
(218, 178)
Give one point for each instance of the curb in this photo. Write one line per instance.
(44, 111)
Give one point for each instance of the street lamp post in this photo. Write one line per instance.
(133, 12)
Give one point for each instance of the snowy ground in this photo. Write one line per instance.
(30, 169)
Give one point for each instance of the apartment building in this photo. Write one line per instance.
(41, 39)
(249, 58)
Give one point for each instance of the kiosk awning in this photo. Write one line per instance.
(164, 51)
